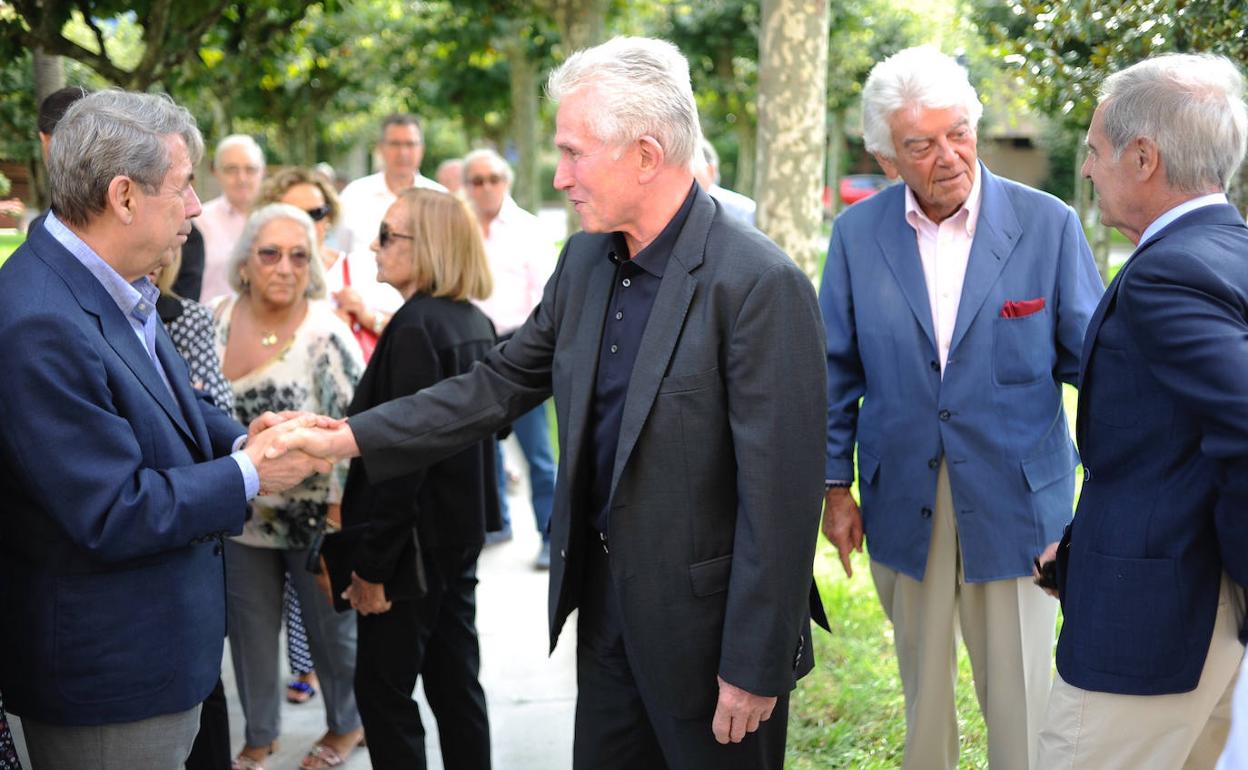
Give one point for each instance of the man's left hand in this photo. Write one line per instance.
(367, 598)
(739, 712)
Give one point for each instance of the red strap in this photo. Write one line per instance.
(346, 271)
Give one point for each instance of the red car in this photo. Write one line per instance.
(855, 187)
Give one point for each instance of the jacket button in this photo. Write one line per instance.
(944, 415)
(1087, 473)
(935, 365)
(216, 550)
(926, 512)
(563, 554)
(933, 463)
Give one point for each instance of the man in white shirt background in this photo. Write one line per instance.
(521, 261)
(238, 165)
(364, 203)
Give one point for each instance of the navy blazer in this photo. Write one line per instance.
(996, 416)
(1163, 432)
(112, 605)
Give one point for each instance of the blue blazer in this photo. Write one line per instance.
(112, 605)
(1163, 431)
(997, 415)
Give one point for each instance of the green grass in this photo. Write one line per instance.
(9, 244)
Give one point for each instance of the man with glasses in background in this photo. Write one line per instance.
(238, 165)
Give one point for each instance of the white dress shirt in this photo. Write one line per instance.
(521, 261)
(221, 225)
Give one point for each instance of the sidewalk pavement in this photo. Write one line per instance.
(531, 697)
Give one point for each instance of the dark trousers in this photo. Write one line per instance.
(212, 745)
(619, 725)
(435, 638)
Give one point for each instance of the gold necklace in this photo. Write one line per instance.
(268, 339)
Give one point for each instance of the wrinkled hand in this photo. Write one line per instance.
(281, 471)
(1047, 555)
(367, 598)
(270, 419)
(739, 712)
(321, 437)
(842, 524)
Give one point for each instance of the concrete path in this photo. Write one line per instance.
(531, 696)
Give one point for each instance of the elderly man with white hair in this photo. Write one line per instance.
(685, 357)
(955, 305)
(1152, 569)
(706, 171)
(238, 165)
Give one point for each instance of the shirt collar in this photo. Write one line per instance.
(137, 299)
(968, 215)
(653, 258)
(1186, 207)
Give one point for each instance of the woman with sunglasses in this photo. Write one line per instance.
(283, 348)
(417, 537)
(352, 286)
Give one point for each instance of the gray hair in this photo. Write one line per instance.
(496, 160)
(109, 134)
(705, 158)
(238, 140)
(255, 223)
(642, 88)
(918, 77)
(1191, 106)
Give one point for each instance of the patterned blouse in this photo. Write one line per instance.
(315, 372)
(191, 329)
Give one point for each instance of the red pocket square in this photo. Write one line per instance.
(1021, 308)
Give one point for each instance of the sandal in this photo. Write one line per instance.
(323, 755)
(244, 762)
(299, 691)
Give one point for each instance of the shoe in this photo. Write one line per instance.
(543, 557)
(323, 755)
(244, 762)
(501, 536)
(298, 691)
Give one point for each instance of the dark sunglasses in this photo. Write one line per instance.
(386, 236)
(481, 181)
(271, 255)
(318, 213)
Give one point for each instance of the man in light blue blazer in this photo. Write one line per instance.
(955, 305)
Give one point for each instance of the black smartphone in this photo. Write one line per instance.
(1048, 574)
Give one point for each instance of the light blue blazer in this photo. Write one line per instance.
(996, 417)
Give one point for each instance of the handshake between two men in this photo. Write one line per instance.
(287, 447)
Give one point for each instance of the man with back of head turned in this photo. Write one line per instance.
(118, 480)
(955, 306)
(684, 352)
(1151, 571)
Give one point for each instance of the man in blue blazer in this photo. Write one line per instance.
(117, 479)
(1149, 571)
(955, 305)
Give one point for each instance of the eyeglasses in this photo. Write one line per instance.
(271, 255)
(482, 181)
(386, 236)
(318, 213)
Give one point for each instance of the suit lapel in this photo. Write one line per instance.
(663, 328)
(114, 327)
(175, 367)
(996, 232)
(900, 249)
(584, 350)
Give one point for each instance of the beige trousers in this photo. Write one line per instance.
(1007, 626)
(1108, 731)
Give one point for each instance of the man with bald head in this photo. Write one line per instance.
(238, 165)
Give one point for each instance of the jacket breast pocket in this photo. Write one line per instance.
(1022, 349)
(683, 383)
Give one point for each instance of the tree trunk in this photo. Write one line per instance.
(792, 116)
(49, 78)
(1089, 217)
(836, 153)
(747, 139)
(524, 124)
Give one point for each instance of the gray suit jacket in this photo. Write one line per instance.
(718, 478)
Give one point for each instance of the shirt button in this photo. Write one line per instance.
(944, 415)
(626, 283)
(619, 315)
(615, 348)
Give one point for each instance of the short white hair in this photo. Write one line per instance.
(238, 140)
(918, 77)
(1191, 106)
(642, 88)
(496, 161)
(255, 223)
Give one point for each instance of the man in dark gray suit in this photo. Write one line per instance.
(685, 354)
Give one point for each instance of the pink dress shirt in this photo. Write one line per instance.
(221, 225)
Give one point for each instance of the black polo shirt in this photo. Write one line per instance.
(634, 287)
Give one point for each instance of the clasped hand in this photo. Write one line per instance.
(277, 451)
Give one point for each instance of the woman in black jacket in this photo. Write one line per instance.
(417, 538)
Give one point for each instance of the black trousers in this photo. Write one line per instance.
(212, 745)
(619, 725)
(434, 637)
